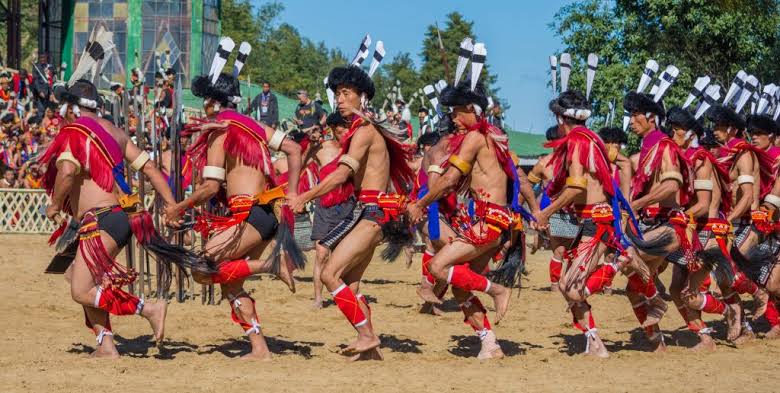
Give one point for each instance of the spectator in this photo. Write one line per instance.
(21, 85)
(308, 113)
(42, 82)
(5, 86)
(34, 178)
(265, 107)
(496, 116)
(9, 179)
(406, 114)
(422, 116)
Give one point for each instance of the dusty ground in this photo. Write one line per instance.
(44, 345)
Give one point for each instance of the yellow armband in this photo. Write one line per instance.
(576, 182)
(612, 153)
(671, 175)
(68, 156)
(463, 166)
(350, 162)
(534, 179)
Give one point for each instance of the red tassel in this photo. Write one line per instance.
(57, 233)
(579, 139)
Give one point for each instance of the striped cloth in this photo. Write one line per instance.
(338, 233)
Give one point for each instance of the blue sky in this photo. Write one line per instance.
(516, 34)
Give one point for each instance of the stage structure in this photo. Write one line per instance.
(140, 29)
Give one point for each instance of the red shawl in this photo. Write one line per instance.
(651, 163)
(93, 147)
(721, 173)
(245, 140)
(592, 157)
(737, 146)
(401, 174)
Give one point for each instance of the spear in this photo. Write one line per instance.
(442, 54)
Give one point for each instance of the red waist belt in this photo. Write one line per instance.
(600, 213)
(492, 220)
(656, 212)
(240, 206)
(393, 205)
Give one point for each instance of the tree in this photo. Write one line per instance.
(700, 37)
(455, 29)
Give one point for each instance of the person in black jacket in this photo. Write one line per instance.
(265, 107)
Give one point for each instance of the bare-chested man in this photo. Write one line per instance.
(712, 197)
(479, 156)
(81, 182)
(328, 211)
(374, 158)
(751, 177)
(233, 152)
(582, 177)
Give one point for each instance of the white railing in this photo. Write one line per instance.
(24, 211)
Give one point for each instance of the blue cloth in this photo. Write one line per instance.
(434, 232)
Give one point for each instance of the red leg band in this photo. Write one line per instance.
(705, 284)
(348, 304)
(744, 285)
(772, 315)
(600, 279)
(684, 314)
(236, 318)
(640, 310)
(461, 276)
(426, 263)
(363, 300)
(650, 289)
(712, 305)
(635, 284)
(733, 298)
(231, 271)
(555, 270)
(118, 302)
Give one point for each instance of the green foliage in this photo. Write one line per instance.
(700, 37)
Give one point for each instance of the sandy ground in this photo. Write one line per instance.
(44, 345)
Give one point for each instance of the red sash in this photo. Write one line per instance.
(592, 157)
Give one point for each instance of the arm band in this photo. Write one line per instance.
(350, 162)
(140, 161)
(213, 172)
(68, 156)
(533, 178)
(577, 182)
(459, 163)
(671, 175)
(702, 185)
(435, 169)
(276, 140)
(773, 200)
(742, 179)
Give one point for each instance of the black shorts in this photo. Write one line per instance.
(327, 218)
(262, 218)
(117, 224)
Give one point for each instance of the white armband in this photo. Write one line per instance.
(139, 162)
(703, 185)
(743, 179)
(276, 140)
(352, 163)
(773, 200)
(435, 169)
(673, 175)
(214, 172)
(68, 156)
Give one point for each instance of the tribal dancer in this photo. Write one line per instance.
(336, 205)
(582, 177)
(752, 177)
(84, 178)
(479, 162)
(563, 223)
(373, 156)
(233, 151)
(712, 198)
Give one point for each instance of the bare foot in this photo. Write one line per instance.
(490, 348)
(430, 309)
(760, 301)
(362, 344)
(286, 274)
(554, 287)
(316, 304)
(657, 340)
(706, 344)
(745, 337)
(373, 354)
(595, 347)
(733, 320)
(773, 333)
(264, 356)
(656, 308)
(105, 352)
(155, 314)
(425, 293)
(501, 297)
